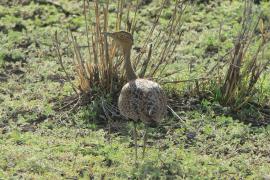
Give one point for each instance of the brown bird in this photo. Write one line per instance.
(140, 99)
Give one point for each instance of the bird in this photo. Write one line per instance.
(140, 100)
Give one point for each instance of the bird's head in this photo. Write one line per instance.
(122, 38)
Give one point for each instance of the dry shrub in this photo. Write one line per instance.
(99, 69)
(247, 61)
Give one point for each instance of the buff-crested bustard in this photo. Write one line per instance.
(140, 99)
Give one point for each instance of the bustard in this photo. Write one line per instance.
(140, 99)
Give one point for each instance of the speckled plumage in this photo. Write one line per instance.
(144, 100)
(140, 99)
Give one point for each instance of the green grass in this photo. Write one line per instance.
(211, 147)
(37, 141)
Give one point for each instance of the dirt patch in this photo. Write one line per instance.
(57, 78)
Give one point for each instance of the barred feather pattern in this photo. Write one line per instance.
(144, 100)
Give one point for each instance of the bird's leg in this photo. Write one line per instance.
(135, 141)
(144, 141)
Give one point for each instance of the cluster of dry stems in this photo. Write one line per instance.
(246, 66)
(101, 67)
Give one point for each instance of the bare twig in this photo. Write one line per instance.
(187, 80)
(57, 47)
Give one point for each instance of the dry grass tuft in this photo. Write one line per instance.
(247, 61)
(100, 66)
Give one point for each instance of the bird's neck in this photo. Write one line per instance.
(128, 67)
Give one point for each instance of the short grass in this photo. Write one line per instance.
(212, 147)
(38, 142)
